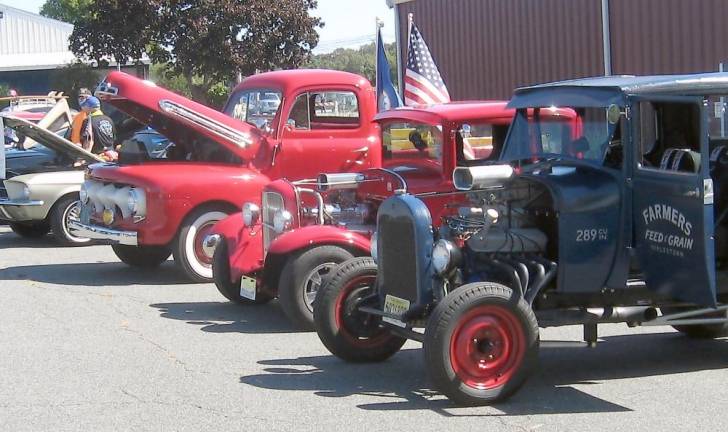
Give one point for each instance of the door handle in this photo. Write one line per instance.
(693, 193)
(364, 149)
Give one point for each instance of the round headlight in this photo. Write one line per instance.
(132, 200)
(373, 247)
(83, 194)
(136, 202)
(282, 221)
(442, 255)
(26, 192)
(251, 213)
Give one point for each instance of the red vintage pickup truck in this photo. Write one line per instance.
(293, 124)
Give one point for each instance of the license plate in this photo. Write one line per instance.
(247, 288)
(397, 307)
(85, 215)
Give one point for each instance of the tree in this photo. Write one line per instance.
(4, 89)
(72, 78)
(116, 29)
(204, 41)
(69, 11)
(360, 61)
(161, 74)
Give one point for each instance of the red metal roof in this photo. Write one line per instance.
(450, 112)
(290, 80)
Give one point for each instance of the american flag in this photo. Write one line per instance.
(423, 84)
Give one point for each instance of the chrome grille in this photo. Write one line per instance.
(272, 202)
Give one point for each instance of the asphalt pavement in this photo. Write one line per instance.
(87, 343)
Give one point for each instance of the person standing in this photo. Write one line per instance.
(79, 118)
(97, 131)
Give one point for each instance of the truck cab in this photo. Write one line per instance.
(621, 220)
(293, 123)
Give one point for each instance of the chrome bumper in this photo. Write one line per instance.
(13, 215)
(109, 235)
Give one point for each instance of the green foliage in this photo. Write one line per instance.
(71, 78)
(163, 75)
(205, 42)
(360, 61)
(69, 11)
(4, 89)
(218, 94)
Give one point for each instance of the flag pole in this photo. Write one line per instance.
(410, 21)
(380, 24)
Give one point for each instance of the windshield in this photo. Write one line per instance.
(255, 106)
(548, 133)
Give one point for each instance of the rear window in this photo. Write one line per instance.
(325, 110)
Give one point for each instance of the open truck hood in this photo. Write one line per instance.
(176, 116)
(49, 139)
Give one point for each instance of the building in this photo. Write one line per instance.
(486, 48)
(32, 47)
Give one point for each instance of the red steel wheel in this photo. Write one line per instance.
(481, 343)
(487, 347)
(349, 334)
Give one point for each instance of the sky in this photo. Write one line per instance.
(349, 23)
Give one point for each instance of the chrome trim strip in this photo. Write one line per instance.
(129, 238)
(21, 203)
(241, 139)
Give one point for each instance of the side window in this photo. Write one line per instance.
(325, 110)
(478, 142)
(670, 136)
(405, 142)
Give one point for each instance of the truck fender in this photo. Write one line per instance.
(311, 236)
(244, 245)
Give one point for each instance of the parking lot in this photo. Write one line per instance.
(90, 344)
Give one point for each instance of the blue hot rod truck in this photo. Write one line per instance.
(619, 218)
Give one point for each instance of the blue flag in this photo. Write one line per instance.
(387, 97)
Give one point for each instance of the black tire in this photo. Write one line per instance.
(221, 275)
(302, 277)
(709, 331)
(187, 248)
(351, 335)
(63, 210)
(487, 315)
(30, 230)
(142, 256)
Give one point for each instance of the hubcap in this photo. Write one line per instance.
(72, 213)
(203, 253)
(314, 281)
(487, 347)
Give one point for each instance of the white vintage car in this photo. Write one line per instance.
(45, 202)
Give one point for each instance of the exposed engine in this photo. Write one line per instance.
(344, 209)
(504, 236)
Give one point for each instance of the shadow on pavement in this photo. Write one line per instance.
(549, 390)
(96, 274)
(10, 240)
(227, 317)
